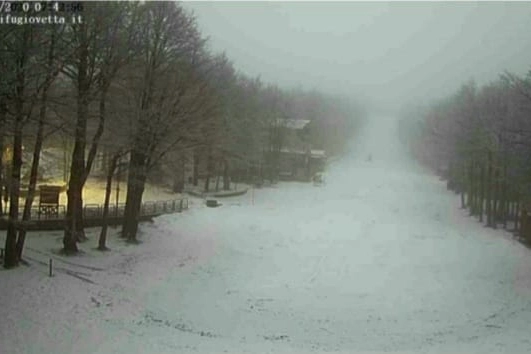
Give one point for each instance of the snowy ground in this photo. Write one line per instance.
(379, 259)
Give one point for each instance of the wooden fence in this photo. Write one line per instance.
(52, 218)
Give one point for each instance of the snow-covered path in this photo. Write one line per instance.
(380, 259)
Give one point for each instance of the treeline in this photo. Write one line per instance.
(135, 80)
(479, 141)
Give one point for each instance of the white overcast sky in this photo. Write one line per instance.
(388, 52)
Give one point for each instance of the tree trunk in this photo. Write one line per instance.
(183, 173)
(178, 181)
(10, 257)
(135, 201)
(34, 174)
(196, 168)
(73, 221)
(226, 175)
(481, 192)
(489, 190)
(2, 132)
(102, 246)
(471, 194)
(218, 177)
(474, 186)
(524, 225)
(207, 183)
(462, 183)
(504, 195)
(135, 188)
(497, 204)
(85, 171)
(516, 216)
(74, 218)
(74, 199)
(209, 171)
(466, 186)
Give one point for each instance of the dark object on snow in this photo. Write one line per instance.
(212, 203)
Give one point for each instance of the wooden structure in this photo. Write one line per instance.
(301, 165)
(49, 200)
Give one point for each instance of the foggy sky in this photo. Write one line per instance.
(390, 53)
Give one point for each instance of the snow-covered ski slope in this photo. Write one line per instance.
(378, 259)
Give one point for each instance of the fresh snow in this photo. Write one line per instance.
(378, 259)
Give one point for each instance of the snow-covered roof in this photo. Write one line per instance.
(313, 153)
(296, 124)
(318, 153)
(293, 150)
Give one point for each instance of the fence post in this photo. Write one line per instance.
(51, 273)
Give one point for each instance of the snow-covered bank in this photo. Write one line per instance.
(379, 259)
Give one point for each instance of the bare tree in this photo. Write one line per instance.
(51, 67)
(98, 44)
(484, 134)
(169, 94)
(19, 52)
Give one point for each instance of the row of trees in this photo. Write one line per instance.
(134, 79)
(478, 140)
